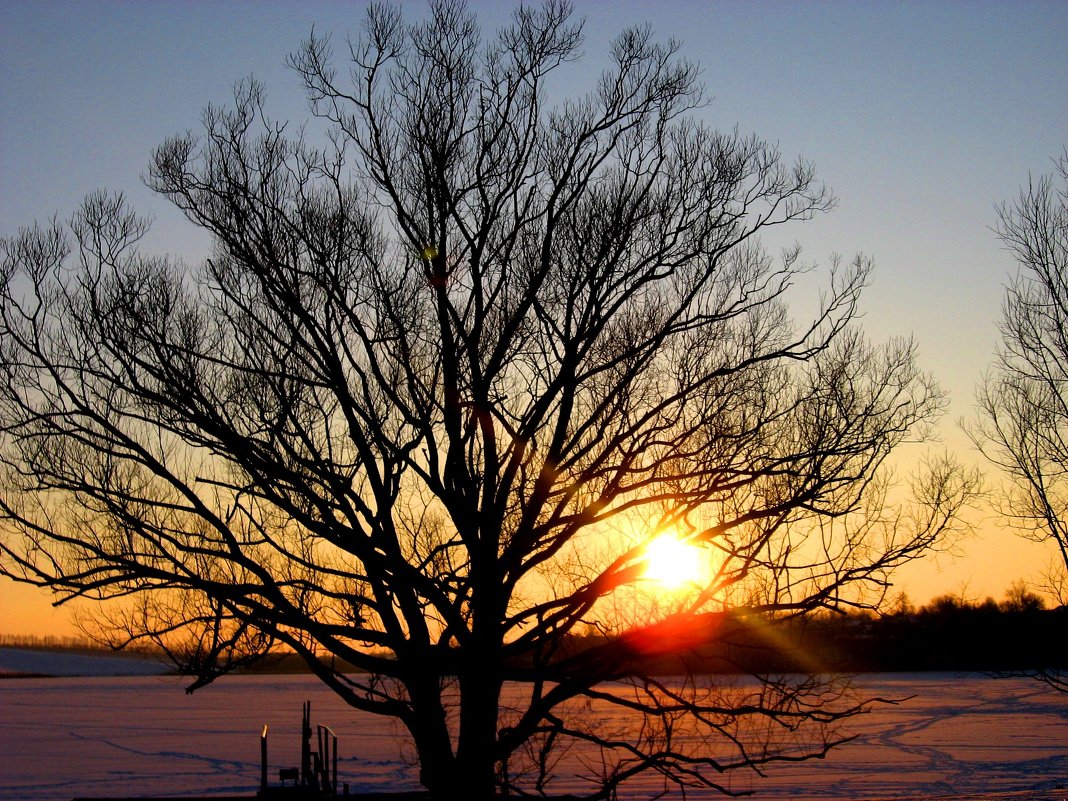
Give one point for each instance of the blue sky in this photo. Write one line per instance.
(920, 116)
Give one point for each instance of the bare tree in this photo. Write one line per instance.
(1020, 598)
(437, 387)
(1023, 402)
(1054, 582)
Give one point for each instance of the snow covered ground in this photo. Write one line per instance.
(42, 662)
(965, 736)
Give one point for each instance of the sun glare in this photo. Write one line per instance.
(673, 563)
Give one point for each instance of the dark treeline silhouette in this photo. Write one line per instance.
(50, 641)
(66, 642)
(942, 636)
(950, 633)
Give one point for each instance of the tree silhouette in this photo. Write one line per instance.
(440, 381)
(1024, 400)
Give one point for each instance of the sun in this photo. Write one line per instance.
(673, 564)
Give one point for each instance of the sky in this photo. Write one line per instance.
(921, 117)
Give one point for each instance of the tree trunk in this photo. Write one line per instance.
(476, 759)
(430, 731)
(471, 771)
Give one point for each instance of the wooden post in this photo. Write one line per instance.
(263, 760)
(333, 779)
(306, 775)
(328, 752)
(320, 758)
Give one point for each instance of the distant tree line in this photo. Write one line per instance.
(951, 632)
(65, 642)
(50, 641)
(1018, 634)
